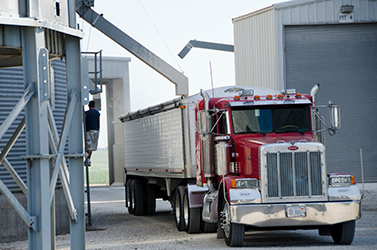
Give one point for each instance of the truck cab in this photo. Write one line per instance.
(268, 171)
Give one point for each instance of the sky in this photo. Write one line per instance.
(165, 27)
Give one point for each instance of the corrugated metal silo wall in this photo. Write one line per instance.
(11, 90)
(254, 48)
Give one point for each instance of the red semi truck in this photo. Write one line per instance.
(239, 158)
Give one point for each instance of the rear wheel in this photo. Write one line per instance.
(343, 233)
(137, 194)
(129, 197)
(149, 199)
(178, 208)
(234, 233)
(191, 215)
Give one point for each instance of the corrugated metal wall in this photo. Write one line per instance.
(321, 12)
(11, 90)
(342, 59)
(254, 43)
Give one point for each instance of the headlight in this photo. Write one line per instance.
(340, 180)
(245, 183)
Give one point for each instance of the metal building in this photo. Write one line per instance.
(297, 44)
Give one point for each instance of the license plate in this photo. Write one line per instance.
(295, 211)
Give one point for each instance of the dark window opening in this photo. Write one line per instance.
(57, 8)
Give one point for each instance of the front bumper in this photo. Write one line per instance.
(274, 215)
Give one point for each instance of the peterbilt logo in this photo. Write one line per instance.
(343, 190)
(245, 194)
(292, 148)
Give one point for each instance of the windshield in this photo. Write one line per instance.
(267, 119)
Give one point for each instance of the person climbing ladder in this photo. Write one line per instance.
(92, 130)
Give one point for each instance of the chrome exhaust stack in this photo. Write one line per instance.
(205, 125)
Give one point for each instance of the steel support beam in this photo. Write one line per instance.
(62, 141)
(54, 140)
(17, 109)
(7, 164)
(29, 220)
(76, 165)
(15, 176)
(60, 166)
(38, 172)
(12, 140)
(76, 168)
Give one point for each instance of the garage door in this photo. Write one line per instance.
(343, 60)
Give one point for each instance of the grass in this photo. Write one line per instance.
(99, 171)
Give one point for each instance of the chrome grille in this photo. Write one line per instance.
(294, 174)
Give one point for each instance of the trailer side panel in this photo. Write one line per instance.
(154, 145)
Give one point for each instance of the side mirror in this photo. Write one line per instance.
(334, 117)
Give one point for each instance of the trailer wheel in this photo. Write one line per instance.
(137, 194)
(130, 199)
(191, 215)
(178, 208)
(234, 233)
(343, 233)
(149, 199)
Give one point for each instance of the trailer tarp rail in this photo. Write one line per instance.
(175, 103)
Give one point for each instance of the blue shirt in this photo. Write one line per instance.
(92, 119)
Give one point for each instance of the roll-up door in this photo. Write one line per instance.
(11, 90)
(343, 60)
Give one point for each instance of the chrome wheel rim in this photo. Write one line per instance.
(186, 211)
(177, 210)
(225, 220)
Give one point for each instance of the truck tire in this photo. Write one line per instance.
(149, 199)
(178, 208)
(343, 233)
(129, 197)
(137, 193)
(234, 233)
(191, 215)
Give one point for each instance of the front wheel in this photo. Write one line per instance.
(343, 233)
(234, 233)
